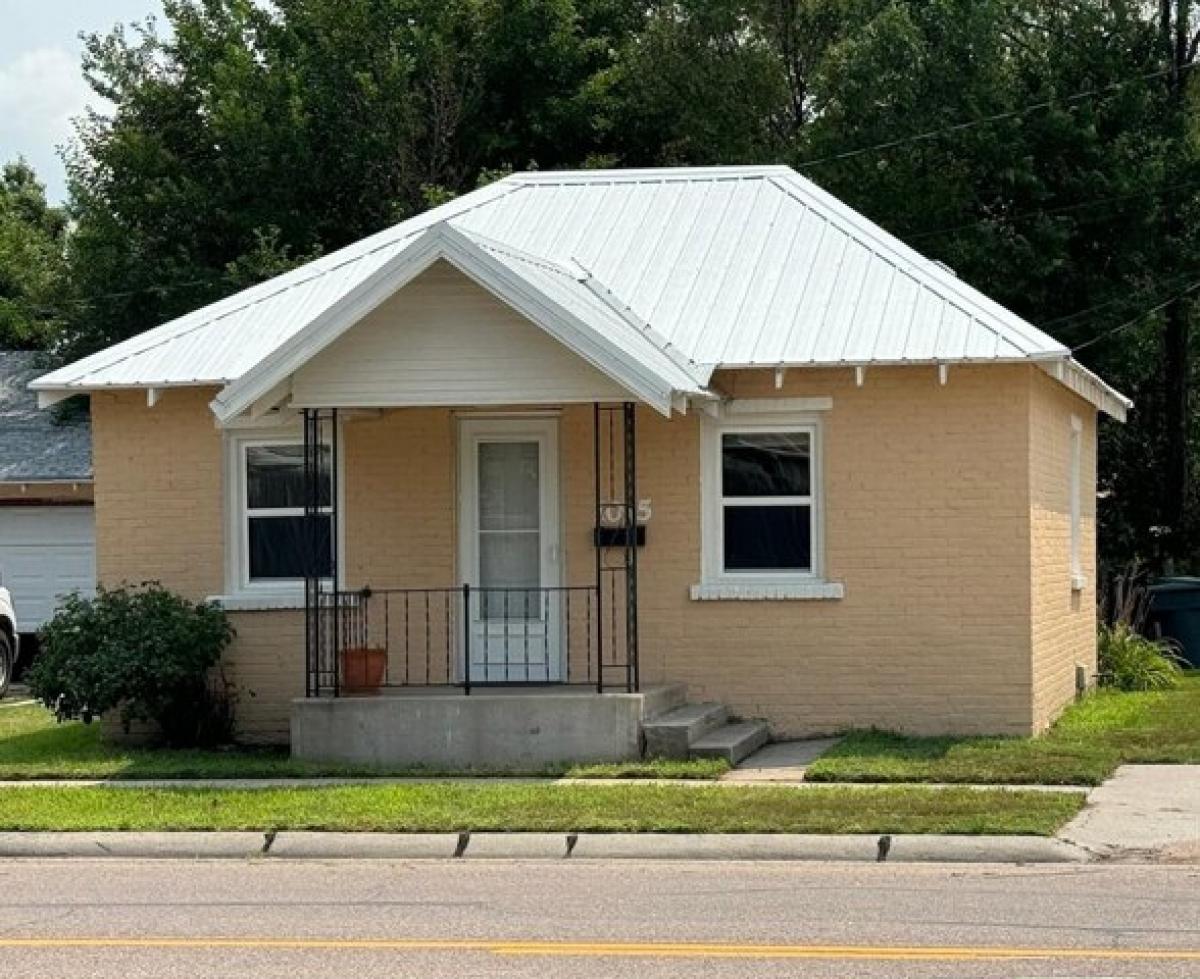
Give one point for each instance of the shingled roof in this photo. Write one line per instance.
(34, 447)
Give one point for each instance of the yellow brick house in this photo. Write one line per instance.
(586, 461)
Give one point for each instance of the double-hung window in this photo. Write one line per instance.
(766, 503)
(762, 523)
(275, 539)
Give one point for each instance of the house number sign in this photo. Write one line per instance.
(613, 514)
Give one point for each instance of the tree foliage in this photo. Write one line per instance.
(32, 241)
(1047, 152)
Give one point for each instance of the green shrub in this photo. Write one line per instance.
(145, 652)
(1130, 661)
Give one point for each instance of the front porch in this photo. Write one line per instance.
(541, 601)
(505, 728)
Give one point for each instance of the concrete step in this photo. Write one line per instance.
(672, 734)
(733, 742)
(661, 698)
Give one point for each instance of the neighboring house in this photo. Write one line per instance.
(865, 491)
(47, 536)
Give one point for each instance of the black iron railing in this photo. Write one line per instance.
(466, 637)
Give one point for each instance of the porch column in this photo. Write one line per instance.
(633, 679)
(322, 607)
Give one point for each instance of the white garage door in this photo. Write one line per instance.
(46, 552)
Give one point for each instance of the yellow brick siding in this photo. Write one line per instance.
(1063, 622)
(925, 524)
(939, 520)
(159, 516)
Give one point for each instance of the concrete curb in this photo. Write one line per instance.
(544, 846)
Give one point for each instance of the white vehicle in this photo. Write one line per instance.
(9, 641)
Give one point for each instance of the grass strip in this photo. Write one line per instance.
(450, 807)
(1087, 744)
(33, 745)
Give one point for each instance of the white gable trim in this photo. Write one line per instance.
(1074, 376)
(442, 241)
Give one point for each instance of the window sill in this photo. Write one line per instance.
(259, 603)
(765, 592)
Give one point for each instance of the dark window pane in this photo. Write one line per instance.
(765, 464)
(275, 476)
(279, 547)
(768, 538)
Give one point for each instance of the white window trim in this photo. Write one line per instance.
(242, 594)
(717, 583)
(1075, 482)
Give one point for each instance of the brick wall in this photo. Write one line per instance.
(943, 510)
(1063, 619)
(159, 516)
(926, 524)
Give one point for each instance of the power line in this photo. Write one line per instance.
(995, 117)
(1069, 318)
(1064, 209)
(91, 300)
(1137, 319)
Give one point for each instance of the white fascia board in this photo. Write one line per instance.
(291, 355)
(49, 397)
(1077, 378)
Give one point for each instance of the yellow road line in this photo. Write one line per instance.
(981, 953)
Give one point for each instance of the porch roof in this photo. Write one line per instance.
(668, 273)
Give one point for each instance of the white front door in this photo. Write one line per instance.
(509, 548)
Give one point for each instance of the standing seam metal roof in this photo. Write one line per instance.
(721, 267)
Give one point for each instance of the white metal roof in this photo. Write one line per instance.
(713, 267)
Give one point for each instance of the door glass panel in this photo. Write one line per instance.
(509, 529)
(508, 486)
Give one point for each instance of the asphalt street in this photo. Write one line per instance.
(113, 917)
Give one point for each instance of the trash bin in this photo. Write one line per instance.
(1175, 613)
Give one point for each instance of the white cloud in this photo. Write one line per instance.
(40, 91)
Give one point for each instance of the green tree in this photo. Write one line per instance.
(32, 237)
(254, 138)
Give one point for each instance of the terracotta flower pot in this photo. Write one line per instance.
(363, 670)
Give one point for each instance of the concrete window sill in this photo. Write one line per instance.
(259, 603)
(800, 592)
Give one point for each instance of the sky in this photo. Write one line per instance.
(41, 85)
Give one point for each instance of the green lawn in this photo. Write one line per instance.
(33, 745)
(448, 807)
(1091, 739)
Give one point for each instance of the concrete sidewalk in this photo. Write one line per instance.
(1142, 809)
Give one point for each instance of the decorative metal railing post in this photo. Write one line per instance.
(466, 596)
(633, 679)
(596, 434)
(333, 539)
(312, 584)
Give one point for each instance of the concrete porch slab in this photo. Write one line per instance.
(520, 729)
